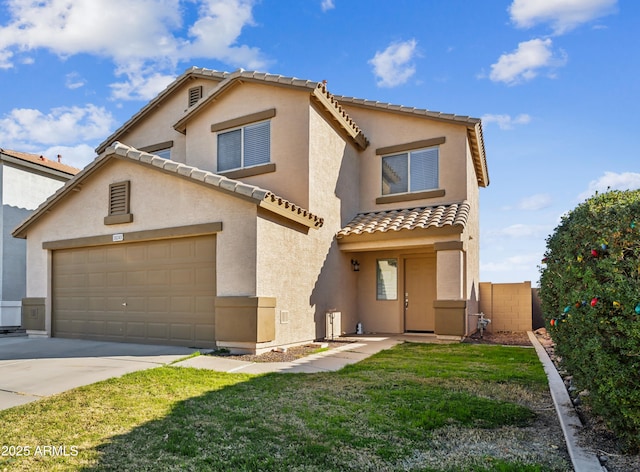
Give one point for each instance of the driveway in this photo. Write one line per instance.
(33, 368)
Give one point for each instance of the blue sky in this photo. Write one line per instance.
(554, 81)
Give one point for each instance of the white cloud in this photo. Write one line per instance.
(512, 263)
(535, 202)
(612, 181)
(525, 62)
(24, 128)
(77, 156)
(141, 82)
(146, 33)
(393, 67)
(561, 15)
(520, 231)
(327, 5)
(506, 121)
(74, 81)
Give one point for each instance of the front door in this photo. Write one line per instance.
(419, 294)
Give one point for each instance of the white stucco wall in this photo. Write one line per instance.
(22, 191)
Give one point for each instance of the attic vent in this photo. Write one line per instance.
(119, 204)
(195, 94)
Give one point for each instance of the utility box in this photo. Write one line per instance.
(33, 314)
(334, 325)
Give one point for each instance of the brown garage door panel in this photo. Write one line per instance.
(159, 292)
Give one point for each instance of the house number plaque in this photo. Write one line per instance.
(118, 237)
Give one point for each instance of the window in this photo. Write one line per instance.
(119, 212)
(163, 153)
(244, 147)
(387, 279)
(411, 171)
(162, 150)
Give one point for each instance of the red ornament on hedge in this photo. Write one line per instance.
(594, 301)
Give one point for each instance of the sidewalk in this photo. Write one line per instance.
(327, 361)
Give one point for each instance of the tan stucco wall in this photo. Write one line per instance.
(508, 306)
(387, 129)
(305, 270)
(472, 238)
(383, 316)
(158, 200)
(289, 136)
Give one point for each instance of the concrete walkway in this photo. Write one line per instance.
(33, 368)
(360, 348)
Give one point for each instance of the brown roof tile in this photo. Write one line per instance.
(408, 219)
(41, 160)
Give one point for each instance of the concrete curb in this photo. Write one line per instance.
(583, 461)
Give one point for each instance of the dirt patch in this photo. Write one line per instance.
(505, 338)
(595, 436)
(288, 355)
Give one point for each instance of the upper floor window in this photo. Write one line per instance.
(244, 147)
(411, 171)
(162, 150)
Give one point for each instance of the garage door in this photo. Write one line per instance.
(157, 292)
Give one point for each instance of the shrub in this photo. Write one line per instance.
(590, 294)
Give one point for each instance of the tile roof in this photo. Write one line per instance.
(261, 197)
(408, 219)
(265, 198)
(318, 89)
(404, 109)
(41, 161)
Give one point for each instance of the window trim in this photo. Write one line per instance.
(241, 121)
(243, 167)
(407, 150)
(167, 145)
(415, 145)
(244, 172)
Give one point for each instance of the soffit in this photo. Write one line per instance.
(440, 216)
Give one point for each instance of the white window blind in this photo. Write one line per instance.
(424, 169)
(256, 144)
(244, 147)
(410, 172)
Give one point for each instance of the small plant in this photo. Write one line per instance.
(590, 293)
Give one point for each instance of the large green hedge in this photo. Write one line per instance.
(590, 293)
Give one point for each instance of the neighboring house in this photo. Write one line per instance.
(237, 209)
(26, 180)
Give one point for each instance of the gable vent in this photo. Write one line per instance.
(119, 204)
(119, 198)
(195, 94)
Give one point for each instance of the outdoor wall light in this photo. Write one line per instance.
(356, 265)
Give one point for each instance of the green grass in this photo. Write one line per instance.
(414, 407)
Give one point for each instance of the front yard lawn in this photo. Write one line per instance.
(420, 407)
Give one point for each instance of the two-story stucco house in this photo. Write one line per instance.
(26, 180)
(236, 209)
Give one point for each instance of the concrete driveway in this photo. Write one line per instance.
(33, 368)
